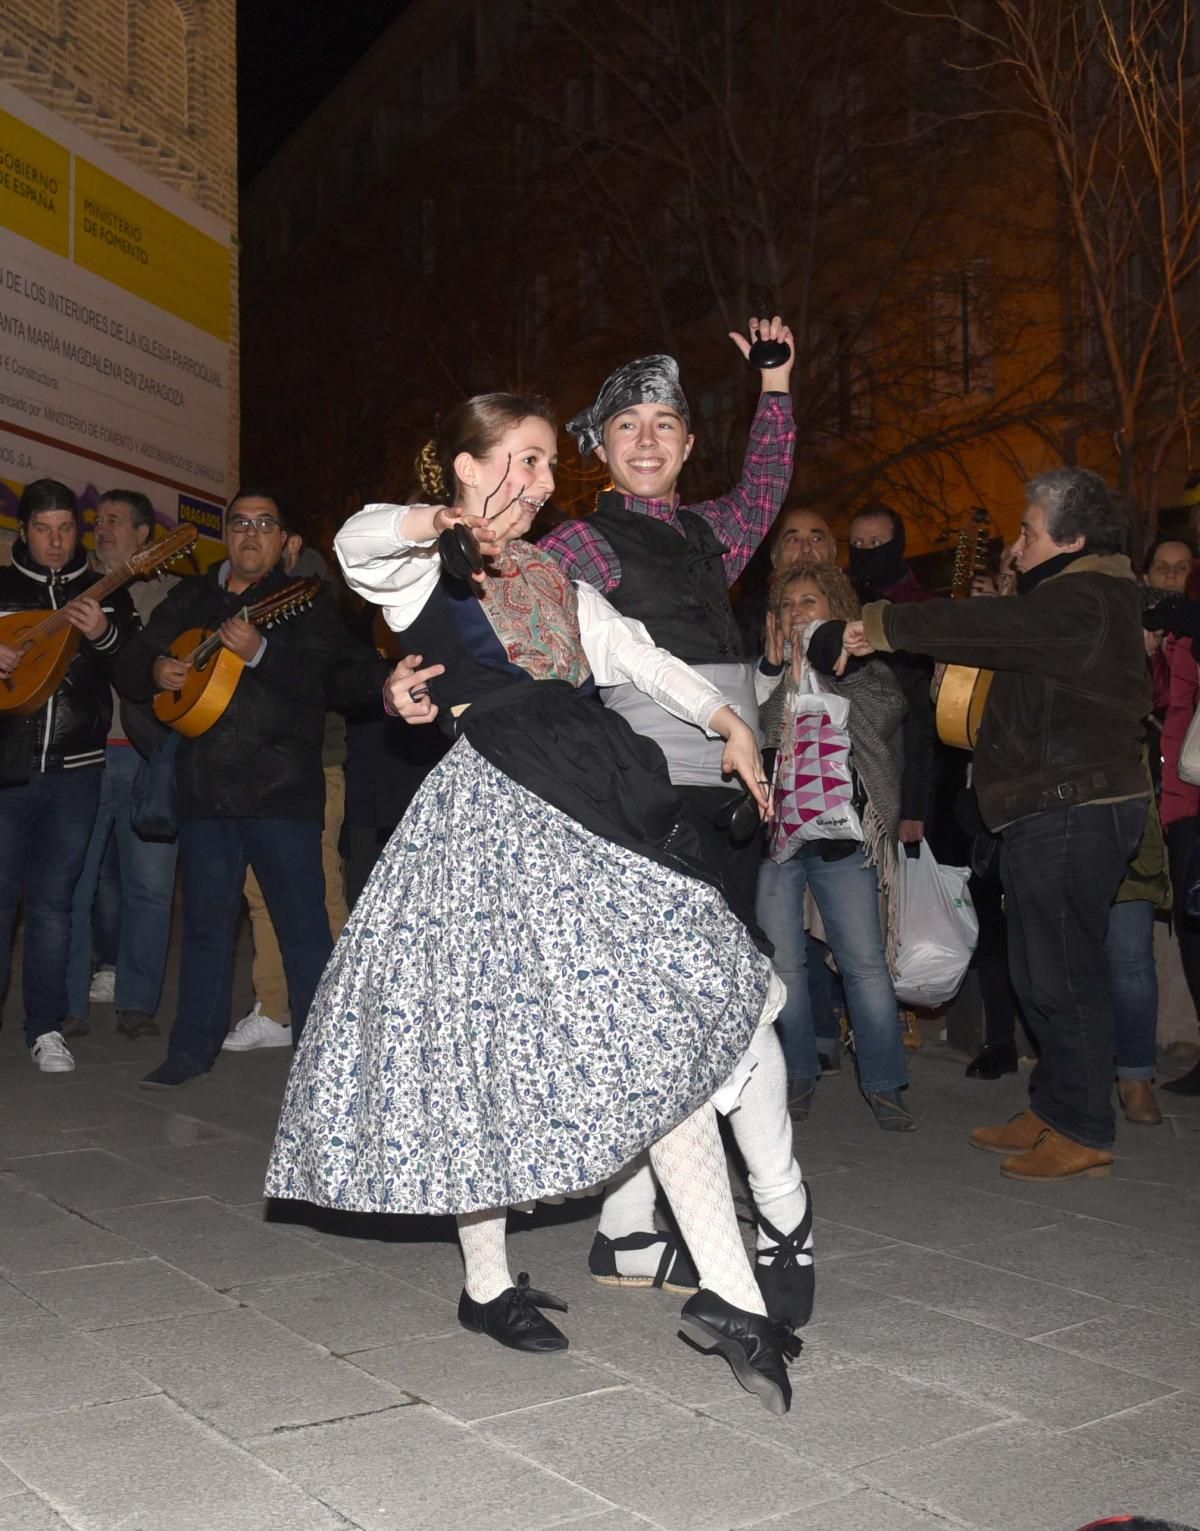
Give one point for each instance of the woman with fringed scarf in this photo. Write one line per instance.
(848, 875)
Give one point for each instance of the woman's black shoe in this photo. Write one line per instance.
(1186, 1084)
(513, 1317)
(991, 1061)
(787, 1286)
(757, 1348)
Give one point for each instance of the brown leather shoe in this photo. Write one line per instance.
(1139, 1102)
(1054, 1157)
(1017, 1135)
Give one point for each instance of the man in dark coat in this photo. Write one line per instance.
(251, 789)
(1060, 775)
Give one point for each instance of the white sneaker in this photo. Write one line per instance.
(257, 1030)
(51, 1054)
(103, 988)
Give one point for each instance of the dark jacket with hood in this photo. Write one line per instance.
(70, 731)
(1064, 722)
(262, 757)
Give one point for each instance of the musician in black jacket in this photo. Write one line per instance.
(52, 759)
(251, 790)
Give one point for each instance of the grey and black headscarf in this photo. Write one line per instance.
(649, 380)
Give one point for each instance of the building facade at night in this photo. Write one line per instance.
(119, 117)
(522, 195)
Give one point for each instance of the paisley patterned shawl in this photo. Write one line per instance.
(534, 611)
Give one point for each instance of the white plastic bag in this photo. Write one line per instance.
(938, 931)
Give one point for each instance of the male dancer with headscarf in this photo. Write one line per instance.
(670, 566)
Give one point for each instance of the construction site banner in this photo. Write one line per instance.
(115, 323)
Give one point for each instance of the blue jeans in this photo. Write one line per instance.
(213, 857)
(44, 829)
(847, 894)
(824, 995)
(1129, 947)
(1061, 870)
(147, 882)
(106, 909)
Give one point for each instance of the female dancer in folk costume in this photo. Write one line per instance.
(540, 980)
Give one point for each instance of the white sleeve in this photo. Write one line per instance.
(384, 567)
(620, 649)
(765, 685)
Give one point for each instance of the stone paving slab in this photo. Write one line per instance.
(35, 1235)
(1019, 1478)
(1021, 1378)
(1138, 1342)
(682, 1471)
(472, 1378)
(245, 1374)
(216, 1244)
(864, 1510)
(147, 1465)
(26, 1512)
(1020, 1305)
(414, 1469)
(358, 1309)
(49, 1365)
(124, 1292)
(92, 1179)
(1165, 1432)
(857, 1415)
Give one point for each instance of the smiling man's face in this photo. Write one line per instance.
(644, 449)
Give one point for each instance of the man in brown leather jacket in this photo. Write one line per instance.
(1059, 774)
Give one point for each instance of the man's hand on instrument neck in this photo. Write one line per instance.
(777, 379)
(86, 615)
(241, 638)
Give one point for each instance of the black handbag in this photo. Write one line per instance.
(152, 795)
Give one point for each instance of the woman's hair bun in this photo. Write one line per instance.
(430, 474)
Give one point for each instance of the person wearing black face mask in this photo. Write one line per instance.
(1060, 774)
(878, 572)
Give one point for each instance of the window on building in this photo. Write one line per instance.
(840, 109)
(594, 299)
(428, 236)
(962, 360)
(852, 376)
(535, 320)
(439, 86)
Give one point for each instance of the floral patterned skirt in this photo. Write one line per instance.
(516, 1009)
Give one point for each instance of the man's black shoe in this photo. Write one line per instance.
(757, 1348)
(513, 1318)
(991, 1061)
(136, 1023)
(787, 1284)
(831, 1063)
(1186, 1084)
(173, 1071)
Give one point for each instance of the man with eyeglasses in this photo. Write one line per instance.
(251, 789)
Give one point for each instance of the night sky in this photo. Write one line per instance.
(291, 53)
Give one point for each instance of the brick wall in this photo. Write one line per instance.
(153, 79)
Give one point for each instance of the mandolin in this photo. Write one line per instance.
(962, 690)
(216, 670)
(47, 642)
